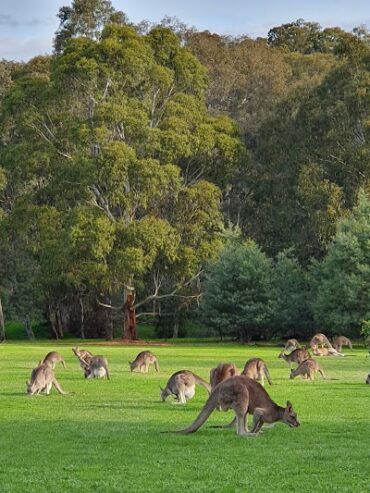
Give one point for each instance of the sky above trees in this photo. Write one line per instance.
(27, 26)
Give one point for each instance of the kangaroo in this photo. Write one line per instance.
(97, 367)
(182, 385)
(307, 369)
(256, 369)
(53, 358)
(143, 360)
(320, 339)
(325, 351)
(244, 395)
(42, 379)
(341, 341)
(83, 356)
(296, 356)
(368, 379)
(291, 344)
(222, 372)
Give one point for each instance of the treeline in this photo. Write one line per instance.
(128, 156)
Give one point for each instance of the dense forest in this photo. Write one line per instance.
(158, 173)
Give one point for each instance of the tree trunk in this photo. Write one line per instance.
(29, 331)
(82, 329)
(109, 320)
(129, 316)
(2, 324)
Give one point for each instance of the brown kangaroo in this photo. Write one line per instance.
(222, 372)
(325, 351)
(320, 339)
(143, 360)
(42, 379)
(182, 385)
(53, 358)
(296, 356)
(291, 344)
(97, 367)
(341, 341)
(307, 369)
(83, 356)
(256, 369)
(244, 395)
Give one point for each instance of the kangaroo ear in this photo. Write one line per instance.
(289, 405)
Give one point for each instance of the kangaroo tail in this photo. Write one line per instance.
(267, 374)
(58, 387)
(203, 383)
(202, 417)
(156, 365)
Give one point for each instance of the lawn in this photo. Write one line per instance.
(106, 435)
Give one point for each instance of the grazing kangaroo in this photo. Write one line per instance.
(222, 372)
(97, 367)
(307, 369)
(341, 341)
(53, 358)
(296, 356)
(42, 379)
(326, 351)
(182, 385)
(143, 360)
(291, 344)
(256, 369)
(244, 395)
(320, 339)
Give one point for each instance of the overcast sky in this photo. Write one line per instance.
(27, 26)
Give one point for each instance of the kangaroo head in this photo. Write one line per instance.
(132, 365)
(292, 374)
(290, 416)
(163, 394)
(30, 389)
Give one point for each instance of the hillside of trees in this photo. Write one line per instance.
(159, 173)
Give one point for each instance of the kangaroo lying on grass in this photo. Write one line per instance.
(42, 379)
(244, 395)
(143, 360)
(307, 369)
(97, 367)
(222, 372)
(256, 369)
(53, 358)
(291, 344)
(182, 385)
(320, 340)
(326, 351)
(341, 341)
(296, 356)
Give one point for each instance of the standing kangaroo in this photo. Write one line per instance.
(320, 339)
(325, 351)
(97, 367)
(222, 372)
(296, 356)
(53, 358)
(307, 369)
(291, 344)
(341, 341)
(42, 379)
(256, 369)
(143, 360)
(182, 385)
(83, 356)
(244, 395)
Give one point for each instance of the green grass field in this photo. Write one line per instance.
(106, 436)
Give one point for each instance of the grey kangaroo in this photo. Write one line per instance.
(182, 385)
(244, 395)
(256, 369)
(53, 358)
(42, 379)
(143, 360)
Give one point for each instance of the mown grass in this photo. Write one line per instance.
(106, 435)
